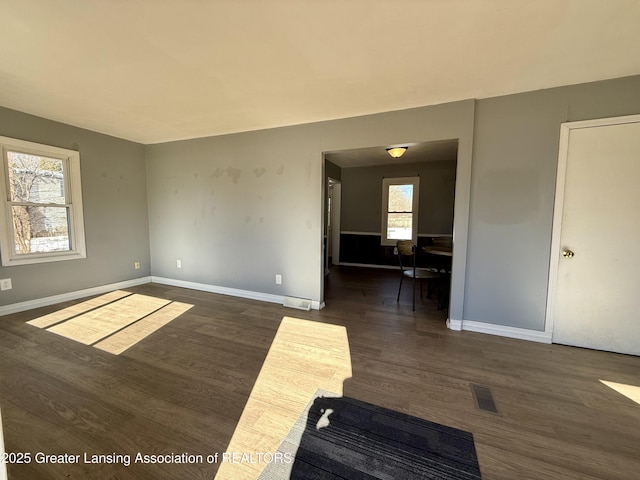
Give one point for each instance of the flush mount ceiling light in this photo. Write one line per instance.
(396, 152)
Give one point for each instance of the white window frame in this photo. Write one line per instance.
(386, 183)
(73, 190)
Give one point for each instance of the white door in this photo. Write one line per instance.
(595, 265)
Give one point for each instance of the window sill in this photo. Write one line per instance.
(42, 258)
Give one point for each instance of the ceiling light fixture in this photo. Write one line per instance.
(397, 152)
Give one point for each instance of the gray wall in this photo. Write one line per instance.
(115, 211)
(238, 209)
(512, 194)
(362, 196)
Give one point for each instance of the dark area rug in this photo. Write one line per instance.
(344, 438)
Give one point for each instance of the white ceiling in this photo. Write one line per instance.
(153, 71)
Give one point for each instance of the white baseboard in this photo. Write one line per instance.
(500, 330)
(234, 292)
(64, 297)
(454, 324)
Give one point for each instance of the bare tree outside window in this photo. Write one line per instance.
(38, 203)
(41, 210)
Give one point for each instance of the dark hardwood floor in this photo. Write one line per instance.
(183, 388)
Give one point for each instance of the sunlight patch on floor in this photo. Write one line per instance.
(112, 322)
(304, 356)
(122, 340)
(95, 325)
(630, 391)
(74, 310)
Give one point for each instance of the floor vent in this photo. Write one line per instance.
(299, 303)
(483, 398)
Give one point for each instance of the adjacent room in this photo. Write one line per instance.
(361, 232)
(273, 240)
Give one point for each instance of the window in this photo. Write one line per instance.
(399, 209)
(41, 207)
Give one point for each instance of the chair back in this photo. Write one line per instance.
(405, 247)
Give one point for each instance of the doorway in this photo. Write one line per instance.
(593, 300)
(362, 173)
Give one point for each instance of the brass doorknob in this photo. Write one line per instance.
(568, 254)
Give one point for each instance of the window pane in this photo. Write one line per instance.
(400, 198)
(399, 226)
(36, 179)
(40, 229)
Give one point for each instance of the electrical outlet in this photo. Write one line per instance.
(136, 265)
(179, 263)
(5, 284)
(278, 279)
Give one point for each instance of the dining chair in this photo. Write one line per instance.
(407, 261)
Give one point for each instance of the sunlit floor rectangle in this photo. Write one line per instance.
(78, 309)
(99, 323)
(304, 356)
(124, 339)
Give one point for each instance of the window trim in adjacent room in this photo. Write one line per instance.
(386, 183)
(73, 202)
